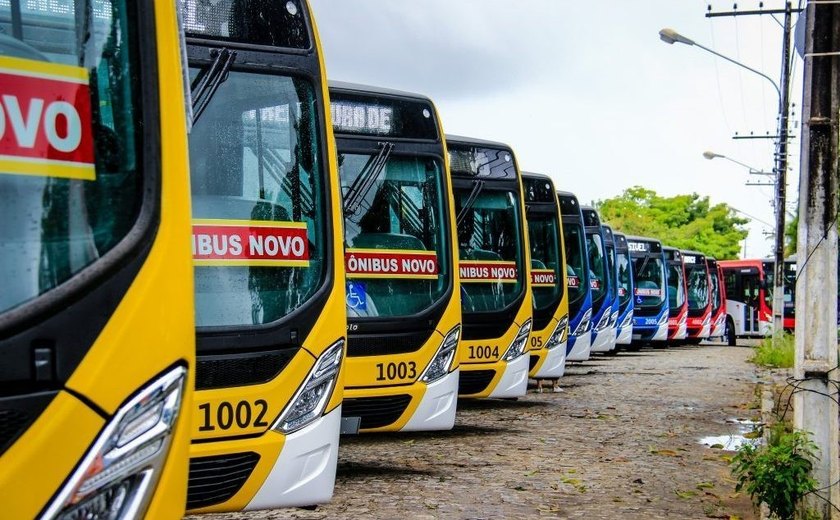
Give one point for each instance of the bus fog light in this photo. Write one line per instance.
(312, 397)
(440, 365)
(517, 346)
(114, 480)
(559, 335)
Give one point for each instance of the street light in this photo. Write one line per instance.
(671, 37)
(753, 171)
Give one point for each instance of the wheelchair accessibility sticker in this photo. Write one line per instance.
(356, 296)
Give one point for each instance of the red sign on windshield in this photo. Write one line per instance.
(257, 243)
(490, 271)
(390, 263)
(45, 120)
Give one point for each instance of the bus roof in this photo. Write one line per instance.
(590, 216)
(471, 141)
(620, 242)
(357, 88)
(539, 189)
(632, 238)
(532, 175)
(567, 200)
(609, 238)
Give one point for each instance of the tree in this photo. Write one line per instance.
(682, 221)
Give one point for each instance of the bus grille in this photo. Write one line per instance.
(240, 369)
(216, 479)
(532, 362)
(370, 345)
(375, 412)
(12, 424)
(474, 381)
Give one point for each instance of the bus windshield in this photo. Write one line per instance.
(76, 190)
(611, 270)
(789, 285)
(649, 277)
(624, 295)
(576, 276)
(396, 238)
(490, 265)
(697, 279)
(715, 291)
(258, 190)
(676, 286)
(545, 259)
(597, 268)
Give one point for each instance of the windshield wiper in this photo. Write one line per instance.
(205, 85)
(367, 176)
(468, 204)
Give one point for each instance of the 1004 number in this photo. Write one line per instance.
(483, 352)
(243, 415)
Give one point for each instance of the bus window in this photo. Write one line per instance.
(676, 286)
(624, 295)
(597, 268)
(649, 280)
(254, 158)
(402, 211)
(489, 232)
(576, 277)
(698, 285)
(545, 254)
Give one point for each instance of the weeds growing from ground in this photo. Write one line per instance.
(778, 355)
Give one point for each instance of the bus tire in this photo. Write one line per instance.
(729, 332)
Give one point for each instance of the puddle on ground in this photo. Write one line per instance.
(742, 435)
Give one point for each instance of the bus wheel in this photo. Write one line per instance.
(730, 332)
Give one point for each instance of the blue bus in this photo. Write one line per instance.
(577, 278)
(609, 243)
(624, 272)
(650, 292)
(602, 293)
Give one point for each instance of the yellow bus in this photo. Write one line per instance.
(96, 319)
(548, 278)
(403, 292)
(269, 291)
(494, 260)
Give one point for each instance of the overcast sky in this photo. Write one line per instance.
(585, 91)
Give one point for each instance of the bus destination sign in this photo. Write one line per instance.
(380, 116)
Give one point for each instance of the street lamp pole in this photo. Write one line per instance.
(671, 36)
(753, 171)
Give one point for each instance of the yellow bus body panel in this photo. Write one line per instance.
(524, 313)
(37, 464)
(330, 327)
(537, 347)
(150, 330)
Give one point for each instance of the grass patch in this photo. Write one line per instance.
(780, 355)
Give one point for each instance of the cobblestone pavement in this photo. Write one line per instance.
(621, 441)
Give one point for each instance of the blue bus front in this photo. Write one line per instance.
(577, 279)
(600, 282)
(624, 293)
(650, 292)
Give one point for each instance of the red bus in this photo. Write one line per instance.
(677, 301)
(749, 297)
(699, 302)
(718, 297)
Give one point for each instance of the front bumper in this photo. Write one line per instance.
(624, 336)
(603, 341)
(304, 473)
(580, 347)
(553, 362)
(436, 410)
(514, 380)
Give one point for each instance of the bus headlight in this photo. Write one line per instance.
(440, 364)
(603, 323)
(613, 318)
(663, 320)
(559, 335)
(627, 321)
(683, 320)
(116, 477)
(517, 346)
(583, 325)
(313, 395)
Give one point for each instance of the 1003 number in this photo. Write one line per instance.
(243, 415)
(391, 371)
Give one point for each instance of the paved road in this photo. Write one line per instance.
(621, 441)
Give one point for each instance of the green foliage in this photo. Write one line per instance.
(777, 474)
(778, 354)
(682, 221)
(791, 232)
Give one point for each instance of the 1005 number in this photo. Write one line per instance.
(484, 352)
(389, 371)
(243, 415)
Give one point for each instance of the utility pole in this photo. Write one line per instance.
(781, 158)
(815, 401)
(781, 181)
